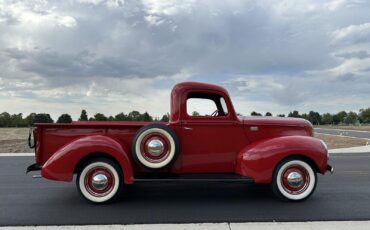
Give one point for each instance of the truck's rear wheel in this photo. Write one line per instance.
(100, 180)
(155, 146)
(294, 180)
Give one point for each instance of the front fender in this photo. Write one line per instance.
(259, 159)
(61, 165)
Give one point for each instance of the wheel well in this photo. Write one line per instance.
(92, 156)
(302, 157)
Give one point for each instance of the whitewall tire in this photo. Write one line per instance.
(294, 180)
(155, 146)
(100, 181)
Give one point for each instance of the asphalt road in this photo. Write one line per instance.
(349, 133)
(27, 201)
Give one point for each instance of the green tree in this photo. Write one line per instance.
(83, 116)
(30, 119)
(121, 117)
(339, 117)
(64, 118)
(134, 116)
(327, 119)
(254, 113)
(195, 113)
(5, 119)
(365, 115)
(100, 117)
(314, 117)
(351, 118)
(304, 116)
(42, 118)
(147, 117)
(166, 117)
(268, 114)
(17, 120)
(281, 115)
(295, 113)
(336, 119)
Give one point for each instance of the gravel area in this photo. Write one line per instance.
(336, 142)
(14, 140)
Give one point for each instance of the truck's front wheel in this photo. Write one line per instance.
(99, 180)
(294, 179)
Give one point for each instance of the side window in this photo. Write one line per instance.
(206, 104)
(200, 107)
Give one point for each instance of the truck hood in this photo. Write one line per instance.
(279, 121)
(258, 128)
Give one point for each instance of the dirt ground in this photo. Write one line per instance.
(336, 142)
(14, 140)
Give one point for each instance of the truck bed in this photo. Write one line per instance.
(51, 137)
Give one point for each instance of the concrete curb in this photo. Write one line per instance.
(17, 154)
(328, 225)
(359, 149)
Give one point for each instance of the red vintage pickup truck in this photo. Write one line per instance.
(213, 144)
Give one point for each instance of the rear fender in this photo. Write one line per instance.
(62, 164)
(259, 159)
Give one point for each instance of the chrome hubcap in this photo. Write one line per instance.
(155, 147)
(100, 181)
(295, 179)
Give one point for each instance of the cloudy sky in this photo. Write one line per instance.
(114, 56)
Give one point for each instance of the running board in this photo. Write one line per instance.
(201, 177)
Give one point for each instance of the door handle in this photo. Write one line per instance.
(188, 128)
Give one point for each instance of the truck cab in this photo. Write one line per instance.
(211, 133)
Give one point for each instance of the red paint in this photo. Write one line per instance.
(249, 146)
(62, 164)
(260, 158)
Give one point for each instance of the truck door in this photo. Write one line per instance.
(211, 135)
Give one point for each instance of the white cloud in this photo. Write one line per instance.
(168, 8)
(35, 15)
(351, 66)
(352, 34)
(154, 20)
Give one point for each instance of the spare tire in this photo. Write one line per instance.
(155, 146)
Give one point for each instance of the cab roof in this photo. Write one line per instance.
(184, 86)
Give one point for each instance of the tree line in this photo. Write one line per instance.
(342, 117)
(17, 120)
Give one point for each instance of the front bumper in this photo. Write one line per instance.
(330, 169)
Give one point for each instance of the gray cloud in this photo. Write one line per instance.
(361, 54)
(267, 51)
